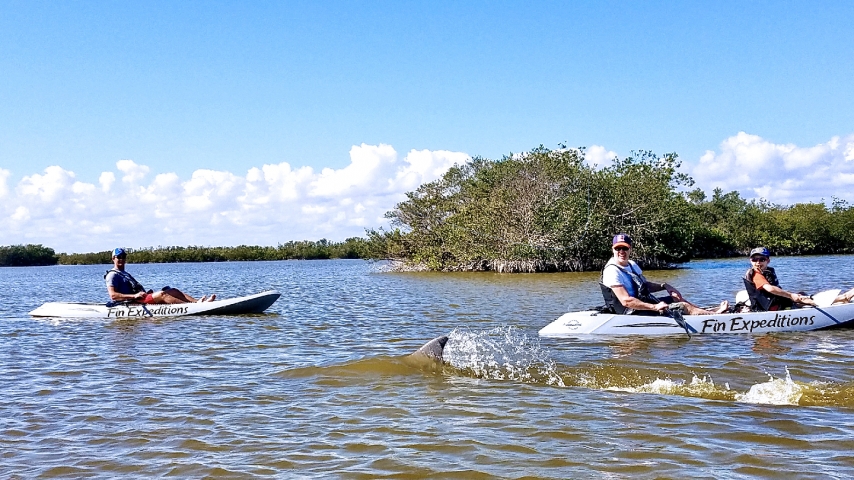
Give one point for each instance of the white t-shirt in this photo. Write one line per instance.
(614, 275)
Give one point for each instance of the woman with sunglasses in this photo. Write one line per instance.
(627, 291)
(764, 290)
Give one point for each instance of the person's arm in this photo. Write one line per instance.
(795, 297)
(123, 297)
(629, 301)
(671, 290)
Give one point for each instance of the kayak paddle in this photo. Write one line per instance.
(676, 313)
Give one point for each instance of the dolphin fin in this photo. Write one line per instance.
(432, 349)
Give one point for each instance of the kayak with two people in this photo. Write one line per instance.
(649, 316)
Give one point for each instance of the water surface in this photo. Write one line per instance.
(320, 385)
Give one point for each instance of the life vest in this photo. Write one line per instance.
(643, 293)
(761, 300)
(134, 285)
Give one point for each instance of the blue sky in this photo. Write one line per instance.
(222, 88)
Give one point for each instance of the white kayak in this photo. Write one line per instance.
(795, 320)
(256, 303)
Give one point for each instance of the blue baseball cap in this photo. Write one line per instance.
(119, 251)
(760, 251)
(622, 239)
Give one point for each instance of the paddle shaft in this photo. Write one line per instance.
(676, 314)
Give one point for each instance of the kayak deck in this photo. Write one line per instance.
(795, 320)
(256, 303)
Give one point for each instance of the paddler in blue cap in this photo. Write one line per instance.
(122, 287)
(627, 291)
(763, 286)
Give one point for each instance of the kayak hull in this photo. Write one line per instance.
(796, 320)
(256, 303)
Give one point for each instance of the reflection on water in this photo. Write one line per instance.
(770, 345)
(321, 385)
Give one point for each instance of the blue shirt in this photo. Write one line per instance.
(122, 282)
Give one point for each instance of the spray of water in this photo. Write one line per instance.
(780, 391)
(502, 353)
(699, 386)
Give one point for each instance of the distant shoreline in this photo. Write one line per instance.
(351, 249)
(39, 255)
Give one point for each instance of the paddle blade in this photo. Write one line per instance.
(742, 297)
(825, 298)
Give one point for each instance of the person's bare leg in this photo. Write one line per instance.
(845, 297)
(172, 296)
(695, 310)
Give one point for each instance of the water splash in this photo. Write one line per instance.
(699, 386)
(780, 391)
(502, 353)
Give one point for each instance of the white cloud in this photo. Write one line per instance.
(270, 204)
(424, 166)
(21, 214)
(780, 173)
(369, 165)
(133, 173)
(47, 188)
(4, 189)
(599, 156)
(107, 179)
(209, 189)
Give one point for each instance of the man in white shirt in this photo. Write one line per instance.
(631, 292)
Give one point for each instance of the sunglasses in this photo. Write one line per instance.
(621, 249)
(759, 259)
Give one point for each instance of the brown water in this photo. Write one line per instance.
(321, 386)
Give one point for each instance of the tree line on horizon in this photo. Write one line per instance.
(540, 211)
(27, 256)
(38, 255)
